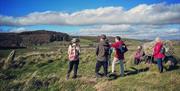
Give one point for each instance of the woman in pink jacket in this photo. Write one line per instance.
(138, 56)
(73, 55)
(158, 53)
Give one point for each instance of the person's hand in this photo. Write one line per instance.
(115, 59)
(124, 61)
(152, 54)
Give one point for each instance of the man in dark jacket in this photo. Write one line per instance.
(102, 53)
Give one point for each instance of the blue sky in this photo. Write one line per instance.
(24, 7)
(92, 17)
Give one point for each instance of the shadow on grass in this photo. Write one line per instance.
(136, 71)
(113, 76)
(171, 68)
(7, 76)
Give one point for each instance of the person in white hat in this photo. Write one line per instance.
(158, 53)
(73, 55)
(138, 55)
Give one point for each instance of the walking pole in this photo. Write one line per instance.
(151, 60)
(124, 66)
(138, 68)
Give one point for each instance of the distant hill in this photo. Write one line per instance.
(110, 38)
(24, 39)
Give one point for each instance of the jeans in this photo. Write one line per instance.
(71, 65)
(159, 64)
(98, 66)
(121, 66)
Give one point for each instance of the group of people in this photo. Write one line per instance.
(103, 53)
(158, 54)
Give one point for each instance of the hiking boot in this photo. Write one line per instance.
(98, 76)
(74, 77)
(122, 75)
(105, 75)
(67, 76)
(112, 76)
(160, 71)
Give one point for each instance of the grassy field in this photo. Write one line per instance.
(46, 66)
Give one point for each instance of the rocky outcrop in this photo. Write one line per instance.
(9, 60)
(24, 39)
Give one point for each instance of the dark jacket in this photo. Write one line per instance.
(102, 51)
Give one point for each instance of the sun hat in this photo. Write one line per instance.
(75, 40)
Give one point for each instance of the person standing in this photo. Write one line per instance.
(102, 53)
(120, 48)
(73, 55)
(158, 53)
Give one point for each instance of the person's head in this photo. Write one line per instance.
(117, 38)
(103, 37)
(158, 39)
(75, 41)
(139, 47)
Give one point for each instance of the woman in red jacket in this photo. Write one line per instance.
(158, 53)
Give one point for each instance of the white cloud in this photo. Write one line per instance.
(135, 31)
(173, 30)
(141, 14)
(107, 28)
(143, 21)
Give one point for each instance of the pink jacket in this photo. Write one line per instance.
(138, 54)
(157, 49)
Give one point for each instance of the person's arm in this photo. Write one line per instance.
(138, 54)
(113, 45)
(97, 50)
(135, 53)
(154, 50)
(69, 49)
(109, 49)
(143, 53)
(79, 49)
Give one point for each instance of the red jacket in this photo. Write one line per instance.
(157, 48)
(116, 46)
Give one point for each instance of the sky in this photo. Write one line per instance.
(137, 19)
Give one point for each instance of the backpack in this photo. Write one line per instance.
(104, 51)
(163, 50)
(74, 53)
(123, 49)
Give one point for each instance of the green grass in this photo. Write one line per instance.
(51, 69)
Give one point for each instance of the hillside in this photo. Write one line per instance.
(28, 38)
(43, 68)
